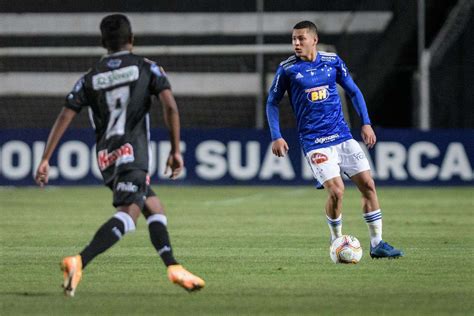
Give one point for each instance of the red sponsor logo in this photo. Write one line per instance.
(105, 159)
(318, 158)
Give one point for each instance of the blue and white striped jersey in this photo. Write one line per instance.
(313, 95)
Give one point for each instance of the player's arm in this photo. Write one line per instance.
(161, 87)
(170, 109)
(277, 90)
(358, 102)
(74, 103)
(63, 121)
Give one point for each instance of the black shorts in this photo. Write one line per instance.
(131, 187)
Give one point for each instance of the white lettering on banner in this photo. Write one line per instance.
(456, 162)
(373, 171)
(22, 152)
(210, 163)
(252, 160)
(414, 162)
(152, 158)
(273, 165)
(94, 164)
(164, 148)
(306, 172)
(240, 160)
(66, 152)
(390, 158)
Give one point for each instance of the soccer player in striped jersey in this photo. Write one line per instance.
(117, 91)
(310, 76)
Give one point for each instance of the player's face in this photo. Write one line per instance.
(304, 43)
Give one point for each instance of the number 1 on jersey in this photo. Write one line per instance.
(117, 101)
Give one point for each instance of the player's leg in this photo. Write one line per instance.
(123, 221)
(335, 190)
(370, 205)
(129, 194)
(356, 166)
(324, 163)
(373, 217)
(157, 226)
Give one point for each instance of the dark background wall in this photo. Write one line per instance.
(382, 64)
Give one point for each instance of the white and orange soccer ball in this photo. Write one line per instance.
(345, 249)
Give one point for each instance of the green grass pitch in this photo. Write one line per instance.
(261, 250)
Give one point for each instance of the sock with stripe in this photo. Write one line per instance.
(374, 223)
(107, 235)
(160, 238)
(335, 227)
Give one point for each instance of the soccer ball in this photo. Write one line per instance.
(345, 249)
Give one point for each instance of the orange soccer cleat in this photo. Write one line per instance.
(72, 268)
(179, 275)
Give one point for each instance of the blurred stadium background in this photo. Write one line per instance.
(262, 250)
(413, 60)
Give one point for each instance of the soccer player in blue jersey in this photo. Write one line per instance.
(310, 76)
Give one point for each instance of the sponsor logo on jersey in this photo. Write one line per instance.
(359, 156)
(114, 63)
(121, 155)
(318, 158)
(126, 187)
(112, 78)
(158, 70)
(317, 94)
(328, 58)
(79, 84)
(322, 140)
(299, 76)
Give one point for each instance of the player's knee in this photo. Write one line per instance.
(368, 188)
(336, 193)
(369, 185)
(129, 223)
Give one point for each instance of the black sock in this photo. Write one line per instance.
(161, 241)
(103, 239)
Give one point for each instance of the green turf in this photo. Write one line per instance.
(262, 251)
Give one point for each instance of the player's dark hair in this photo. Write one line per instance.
(116, 31)
(306, 25)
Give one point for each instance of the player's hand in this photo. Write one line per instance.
(174, 164)
(42, 173)
(368, 136)
(279, 147)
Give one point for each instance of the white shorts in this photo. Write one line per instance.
(328, 162)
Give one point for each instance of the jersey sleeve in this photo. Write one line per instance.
(346, 81)
(159, 80)
(77, 99)
(276, 93)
